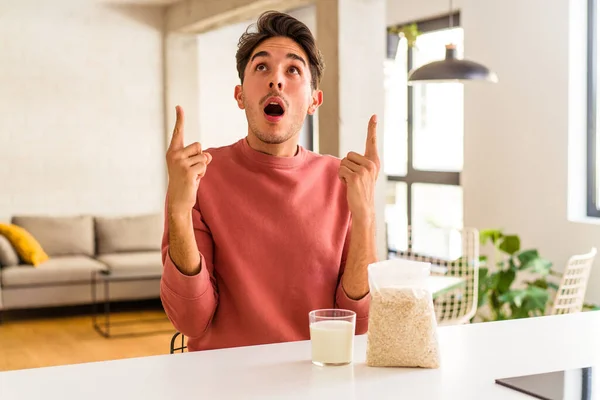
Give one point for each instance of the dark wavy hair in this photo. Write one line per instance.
(276, 24)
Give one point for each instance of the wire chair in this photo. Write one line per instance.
(571, 290)
(459, 305)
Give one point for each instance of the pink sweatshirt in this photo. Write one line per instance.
(273, 233)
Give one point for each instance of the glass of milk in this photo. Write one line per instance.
(332, 336)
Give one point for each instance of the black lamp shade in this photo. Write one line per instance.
(451, 69)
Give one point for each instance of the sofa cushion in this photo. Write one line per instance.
(60, 269)
(129, 234)
(139, 262)
(26, 246)
(8, 254)
(61, 235)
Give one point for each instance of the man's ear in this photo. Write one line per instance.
(239, 96)
(317, 100)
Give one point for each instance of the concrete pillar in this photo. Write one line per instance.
(352, 36)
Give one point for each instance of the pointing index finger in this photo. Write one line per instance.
(177, 139)
(371, 151)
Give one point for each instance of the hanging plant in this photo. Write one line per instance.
(410, 32)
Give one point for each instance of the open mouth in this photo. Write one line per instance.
(274, 108)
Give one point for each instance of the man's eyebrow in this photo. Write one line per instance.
(296, 57)
(260, 54)
(264, 53)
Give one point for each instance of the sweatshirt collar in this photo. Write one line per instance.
(269, 160)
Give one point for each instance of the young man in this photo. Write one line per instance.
(257, 234)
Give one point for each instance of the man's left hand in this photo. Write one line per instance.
(359, 173)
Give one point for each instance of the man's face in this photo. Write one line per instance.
(277, 93)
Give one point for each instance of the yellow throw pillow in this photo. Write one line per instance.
(28, 249)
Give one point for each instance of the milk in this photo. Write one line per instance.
(332, 342)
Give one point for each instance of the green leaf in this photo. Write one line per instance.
(527, 255)
(410, 32)
(500, 315)
(519, 312)
(526, 302)
(482, 273)
(536, 299)
(495, 287)
(541, 283)
(506, 279)
(481, 300)
(483, 286)
(510, 244)
(493, 235)
(494, 280)
(513, 297)
(494, 300)
(538, 265)
(511, 264)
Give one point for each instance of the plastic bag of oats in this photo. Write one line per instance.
(402, 325)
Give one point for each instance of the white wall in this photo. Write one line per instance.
(221, 122)
(520, 132)
(81, 117)
(182, 85)
(401, 11)
(361, 53)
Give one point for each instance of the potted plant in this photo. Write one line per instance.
(501, 294)
(410, 32)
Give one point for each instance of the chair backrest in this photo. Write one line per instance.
(181, 348)
(459, 305)
(573, 285)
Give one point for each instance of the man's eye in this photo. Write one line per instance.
(294, 70)
(261, 67)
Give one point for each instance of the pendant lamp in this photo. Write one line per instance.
(451, 69)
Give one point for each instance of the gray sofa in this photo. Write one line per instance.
(78, 246)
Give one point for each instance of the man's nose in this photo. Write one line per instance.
(279, 85)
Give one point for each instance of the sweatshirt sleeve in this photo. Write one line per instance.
(359, 306)
(190, 302)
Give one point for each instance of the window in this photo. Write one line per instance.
(593, 164)
(423, 136)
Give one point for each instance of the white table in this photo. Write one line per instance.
(472, 357)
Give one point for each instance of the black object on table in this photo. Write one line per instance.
(556, 385)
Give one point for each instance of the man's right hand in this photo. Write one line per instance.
(186, 166)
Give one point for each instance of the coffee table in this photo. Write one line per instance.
(105, 278)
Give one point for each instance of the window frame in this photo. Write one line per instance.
(592, 206)
(413, 175)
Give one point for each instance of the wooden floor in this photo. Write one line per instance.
(41, 341)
